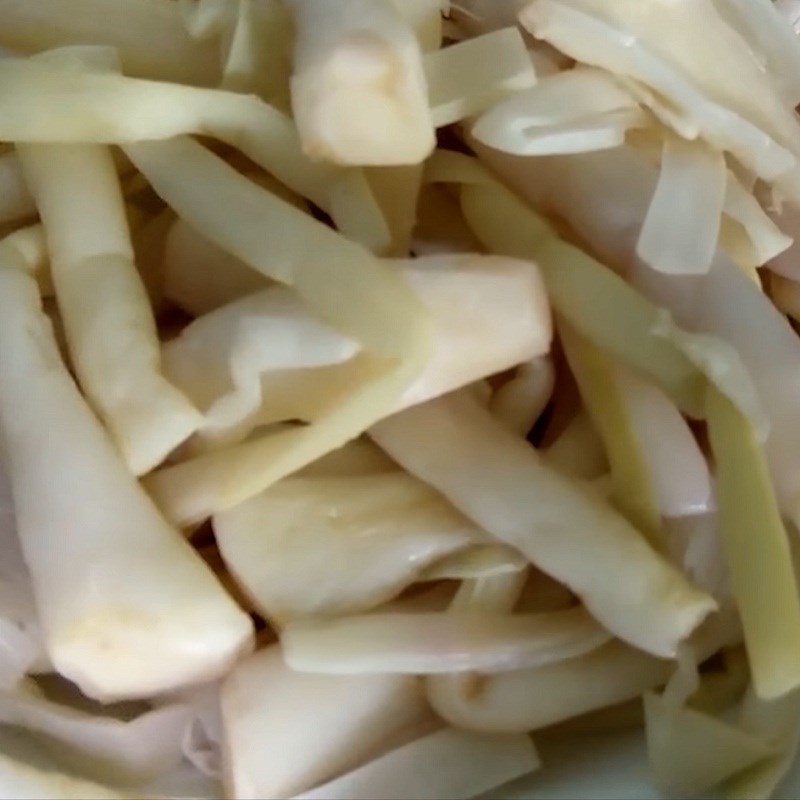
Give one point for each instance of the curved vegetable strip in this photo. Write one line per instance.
(499, 481)
(342, 282)
(108, 320)
(359, 93)
(118, 590)
(476, 562)
(633, 491)
(757, 550)
(149, 34)
(435, 643)
(447, 763)
(519, 402)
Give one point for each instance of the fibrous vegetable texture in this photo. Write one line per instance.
(398, 397)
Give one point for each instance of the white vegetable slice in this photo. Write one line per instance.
(287, 731)
(681, 229)
(669, 48)
(435, 643)
(499, 481)
(447, 763)
(359, 93)
(108, 320)
(519, 402)
(325, 546)
(342, 282)
(469, 77)
(16, 201)
(149, 34)
(119, 612)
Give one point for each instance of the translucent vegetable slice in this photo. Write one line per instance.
(500, 482)
(359, 93)
(681, 228)
(341, 281)
(117, 610)
(108, 320)
(446, 763)
(757, 551)
(324, 546)
(469, 77)
(318, 726)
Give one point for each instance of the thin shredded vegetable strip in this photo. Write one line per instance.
(457, 447)
(757, 551)
(117, 612)
(110, 328)
(347, 286)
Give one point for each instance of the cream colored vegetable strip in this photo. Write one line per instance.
(526, 700)
(396, 191)
(325, 546)
(681, 229)
(469, 77)
(425, 17)
(476, 562)
(437, 643)
(119, 591)
(109, 323)
(116, 109)
(447, 763)
(348, 287)
(499, 481)
(757, 550)
(16, 201)
(149, 34)
(317, 726)
(359, 93)
(519, 402)
(633, 491)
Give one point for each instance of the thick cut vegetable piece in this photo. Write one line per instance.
(286, 731)
(358, 88)
(499, 481)
(107, 315)
(119, 592)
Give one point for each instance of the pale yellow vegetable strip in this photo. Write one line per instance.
(43, 102)
(593, 299)
(396, 191)
(757, 549)
(469, 77)
(578, 451)
(149, 34)
(106, 311)
(633, 490)
(342, 282)
(499, 481)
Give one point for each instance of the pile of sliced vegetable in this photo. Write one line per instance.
(397, 394)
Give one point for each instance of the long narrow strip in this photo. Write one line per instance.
(342, 282)
(107, 315)
(757, 549)
(499, 481)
